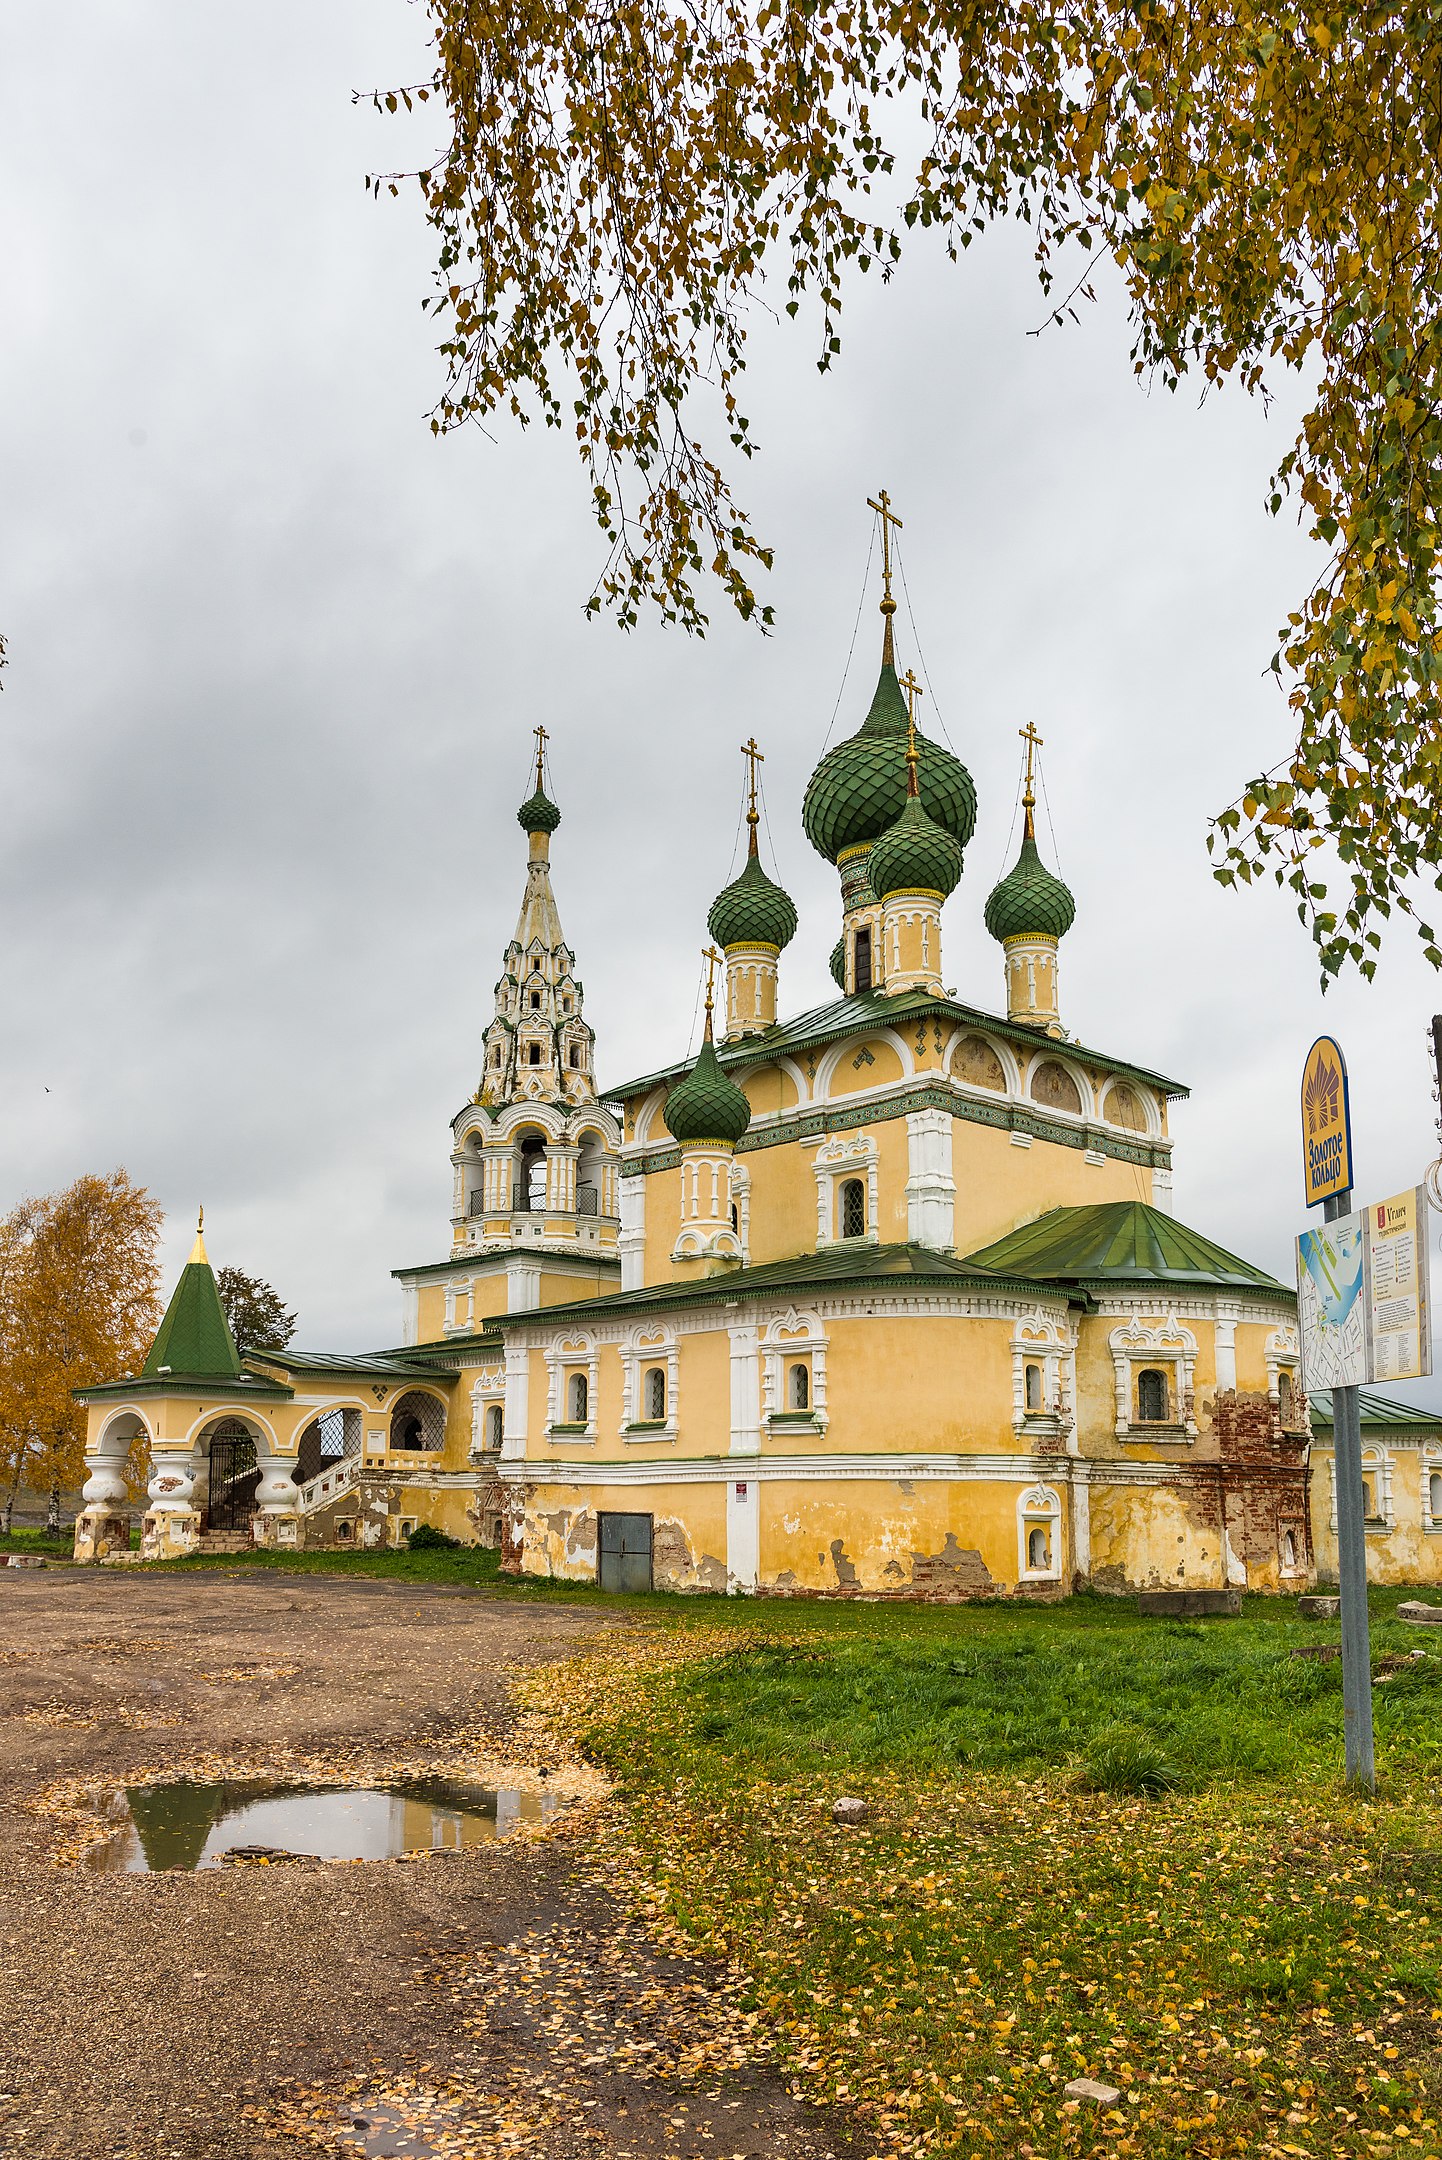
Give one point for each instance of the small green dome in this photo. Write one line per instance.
(753, 910)
(915, 855)
(837, 963)
(706, 1105)
(1029, 901)
(859, 788)
(538, 814)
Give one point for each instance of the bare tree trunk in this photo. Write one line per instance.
(52, 1513)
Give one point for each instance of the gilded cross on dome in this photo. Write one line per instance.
(754, 756)
(882, 506)
(542, 738)
(1033, 742)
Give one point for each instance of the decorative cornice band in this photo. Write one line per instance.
(816, 1120)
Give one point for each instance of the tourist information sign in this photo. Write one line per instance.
(1398, 1300)
(1333, 1312)
(1326, 1122)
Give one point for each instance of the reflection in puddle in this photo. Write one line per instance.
(187, 1824)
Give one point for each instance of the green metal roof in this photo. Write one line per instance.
(341, 1364)
(249, 1387)
(869, 1010)
(1120, 1241)
(194, 1341)
(851, 1264)
(1376, 1410)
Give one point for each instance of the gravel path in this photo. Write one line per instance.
(495, 2002)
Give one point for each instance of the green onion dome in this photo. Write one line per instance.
(915, 855)
(538, 814)
(1029, 901)
(858, 789)
(706, 1105)
(837, 963)
(753, 910)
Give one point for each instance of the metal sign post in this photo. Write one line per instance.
(1336, 1296)
(1352, 1569)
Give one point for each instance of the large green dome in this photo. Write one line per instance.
(706, 1105)
(1029, 901)
(538, 813)
(859, 788)
(753, 910)
(914, 855)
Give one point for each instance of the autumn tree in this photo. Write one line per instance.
(624, 181)
(79, 1303)
(257, 1314)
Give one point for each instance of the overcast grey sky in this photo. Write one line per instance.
(276, 654)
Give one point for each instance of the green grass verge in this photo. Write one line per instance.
(1098, 1845)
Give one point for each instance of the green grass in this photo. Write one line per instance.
(469, 1564)
(39, 1540)
(1098, 1845)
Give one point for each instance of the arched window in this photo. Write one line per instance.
(1369, 1504)
(862, 949)
(798, 1387)
(534, 1054)
(1285, 1402)
(1038, 1547)
(418, 1422)
(1152, 1398)
(495, 1425)
(655, 1395)
(853, 1208)
(1289, 1550)
(578, 1398)
(575, 1057)
(535, 1001)
(1033, 1387)
(1434, 1494)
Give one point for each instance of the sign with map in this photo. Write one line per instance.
(1326, 1122)
(1397, 1288)
(1332, 1304)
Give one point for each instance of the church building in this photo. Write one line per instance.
(885, 1297)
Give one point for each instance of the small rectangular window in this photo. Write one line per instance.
(862, 950)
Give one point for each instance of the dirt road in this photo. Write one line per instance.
(498, 2001)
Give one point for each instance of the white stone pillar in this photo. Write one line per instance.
(745, 1391)
(631, 1243)
(518, 1399)
(743, 1535)
(930, 1187)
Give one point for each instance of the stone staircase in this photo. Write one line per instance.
(214, 1543)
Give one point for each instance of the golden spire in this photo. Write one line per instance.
(1033, 741)
(753, 757)
(713, 960)
(542, 738)
(198, 1251)
(883, 509)
(913, 691)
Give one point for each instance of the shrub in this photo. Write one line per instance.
(1123, 1759)
(426, 1538)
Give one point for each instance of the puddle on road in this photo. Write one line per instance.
(187, 1824)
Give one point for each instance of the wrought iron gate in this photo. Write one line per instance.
(625, 1552)
(234, 1476)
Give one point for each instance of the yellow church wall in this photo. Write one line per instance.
(1406, 1551)
(870, 1062)
(999, 1185)
(916, 1385)
(1153, 1537)
(894, 1534)
(769, 1090)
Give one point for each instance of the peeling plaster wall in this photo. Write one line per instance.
(1160, 1537)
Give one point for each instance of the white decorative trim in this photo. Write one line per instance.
(1043, 1339)
(1168, 1343)
(655, 1344)
(565, 1354)
(741, 1201)
(1430, 1466)
(488, 1392)
(846, 1155)
(787, 1335)
(1161, 1186)
(518, 1398)
(1038, 1508)
(1283, 1354)
(1378, 1463)
(887, 1469)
